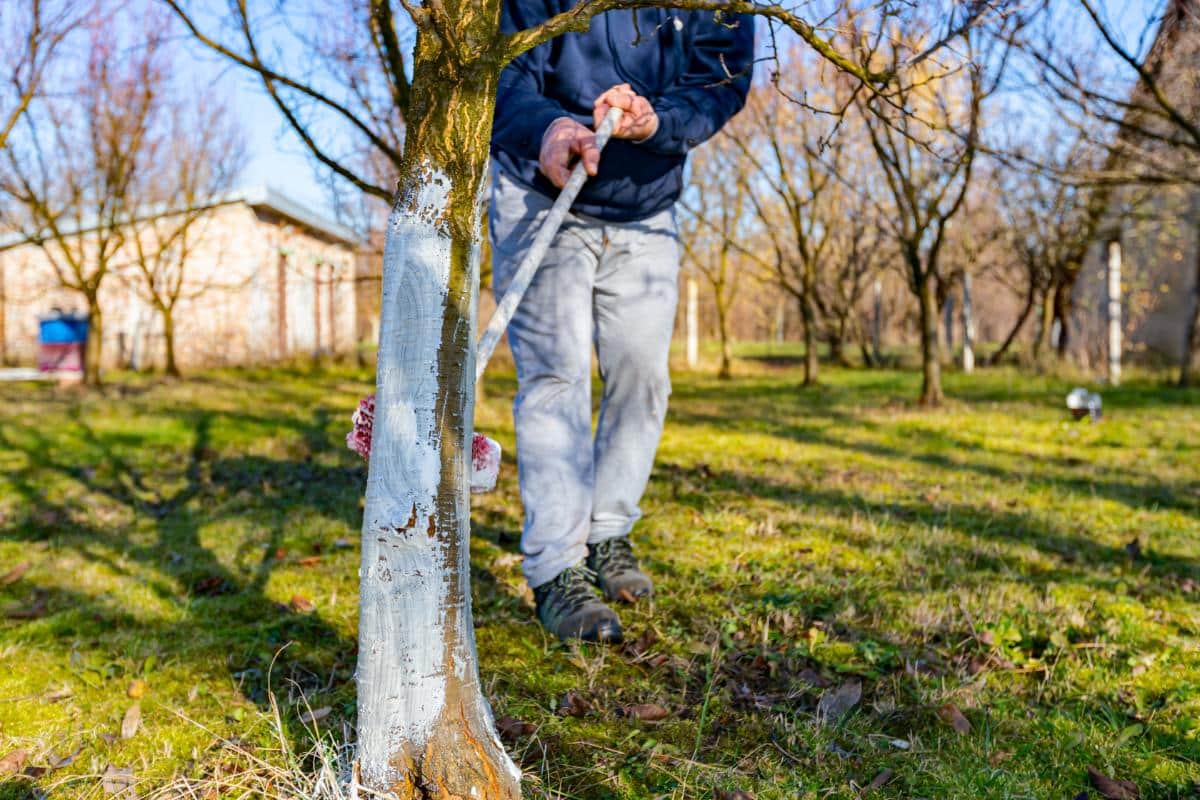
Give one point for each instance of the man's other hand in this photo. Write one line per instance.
(639, 120)
(562, 142)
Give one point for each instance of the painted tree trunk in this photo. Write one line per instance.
(425, 729)
(968, 323)
(931, 386)
(1115, 344)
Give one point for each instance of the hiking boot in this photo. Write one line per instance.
(617, 571)
(569, 608)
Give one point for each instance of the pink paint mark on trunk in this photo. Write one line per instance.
(485, 452)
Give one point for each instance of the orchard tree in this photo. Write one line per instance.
(424, 726)
(33, 31)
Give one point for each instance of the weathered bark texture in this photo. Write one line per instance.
(425, 729)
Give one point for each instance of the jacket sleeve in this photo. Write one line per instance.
(523, 112)
(712, 88)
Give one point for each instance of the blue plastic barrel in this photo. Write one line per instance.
(62, 341)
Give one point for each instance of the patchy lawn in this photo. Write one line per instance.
(1016, 595)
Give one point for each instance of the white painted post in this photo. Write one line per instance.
(693, 322)
(780, 320)
(1114, 312)
(968, 323)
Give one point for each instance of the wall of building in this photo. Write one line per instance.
(245, 262)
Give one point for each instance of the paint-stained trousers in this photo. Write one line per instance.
(603, 285)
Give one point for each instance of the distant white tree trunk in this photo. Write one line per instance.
(1114, 313)
(693, 322)
(1191, 339)
(968, 323)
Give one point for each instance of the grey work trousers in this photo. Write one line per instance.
(611, 286)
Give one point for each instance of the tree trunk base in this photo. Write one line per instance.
(458, 763)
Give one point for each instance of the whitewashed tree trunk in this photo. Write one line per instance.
(1115, 344)
(968, 323)
(424, 726)
(693, 322)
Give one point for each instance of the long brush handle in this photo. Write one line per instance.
(537, 251)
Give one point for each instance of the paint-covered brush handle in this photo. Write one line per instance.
(537, 251)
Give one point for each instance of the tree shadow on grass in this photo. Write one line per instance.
(227, 618)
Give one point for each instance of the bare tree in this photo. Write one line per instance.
(33, 32)
(424, 726)
(189, 165)
(926, 140)
(714, 226)
(70, 176)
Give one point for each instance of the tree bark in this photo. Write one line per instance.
(168, 318)
(808, 314)
(931, 386)
(725, 371)
(1022, 318)
(1191, 339)
(95, 342)
(425, 729)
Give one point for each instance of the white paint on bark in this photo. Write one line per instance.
(968, 323)
(404, 580)
(1114, 313)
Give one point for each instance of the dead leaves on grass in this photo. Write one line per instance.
(951, 715)
(13, 762)
(301, 604)
(1112, 788)
(837, 702)
(646, 712)
(117, 780)
(572, 704)
(511, 728)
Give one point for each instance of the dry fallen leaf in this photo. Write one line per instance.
(315, 714)
(14, 574)
(647, 712)
(950, 713)
(117, 780)
(57, 762)
(572, 704)
(732, 794)
(308, 561)
(1111, 788)
(878, 781)
(837, 702)
(511, 728)
(301, 604)
(12, 763)
(999, 757)
(136, 688)
(131, 722)
(626, 596)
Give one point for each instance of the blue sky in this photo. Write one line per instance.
(277, 158)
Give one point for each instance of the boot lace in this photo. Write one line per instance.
(615, 555)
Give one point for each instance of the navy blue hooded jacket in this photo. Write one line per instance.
(694, 69)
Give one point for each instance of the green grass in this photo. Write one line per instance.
(977, 557)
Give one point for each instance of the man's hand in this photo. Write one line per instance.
(561, 143)
(639, 120)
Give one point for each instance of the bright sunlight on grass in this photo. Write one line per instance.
(1016, 595)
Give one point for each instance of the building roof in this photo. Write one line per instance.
(258, 197)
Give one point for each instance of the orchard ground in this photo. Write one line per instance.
(1017, 595)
